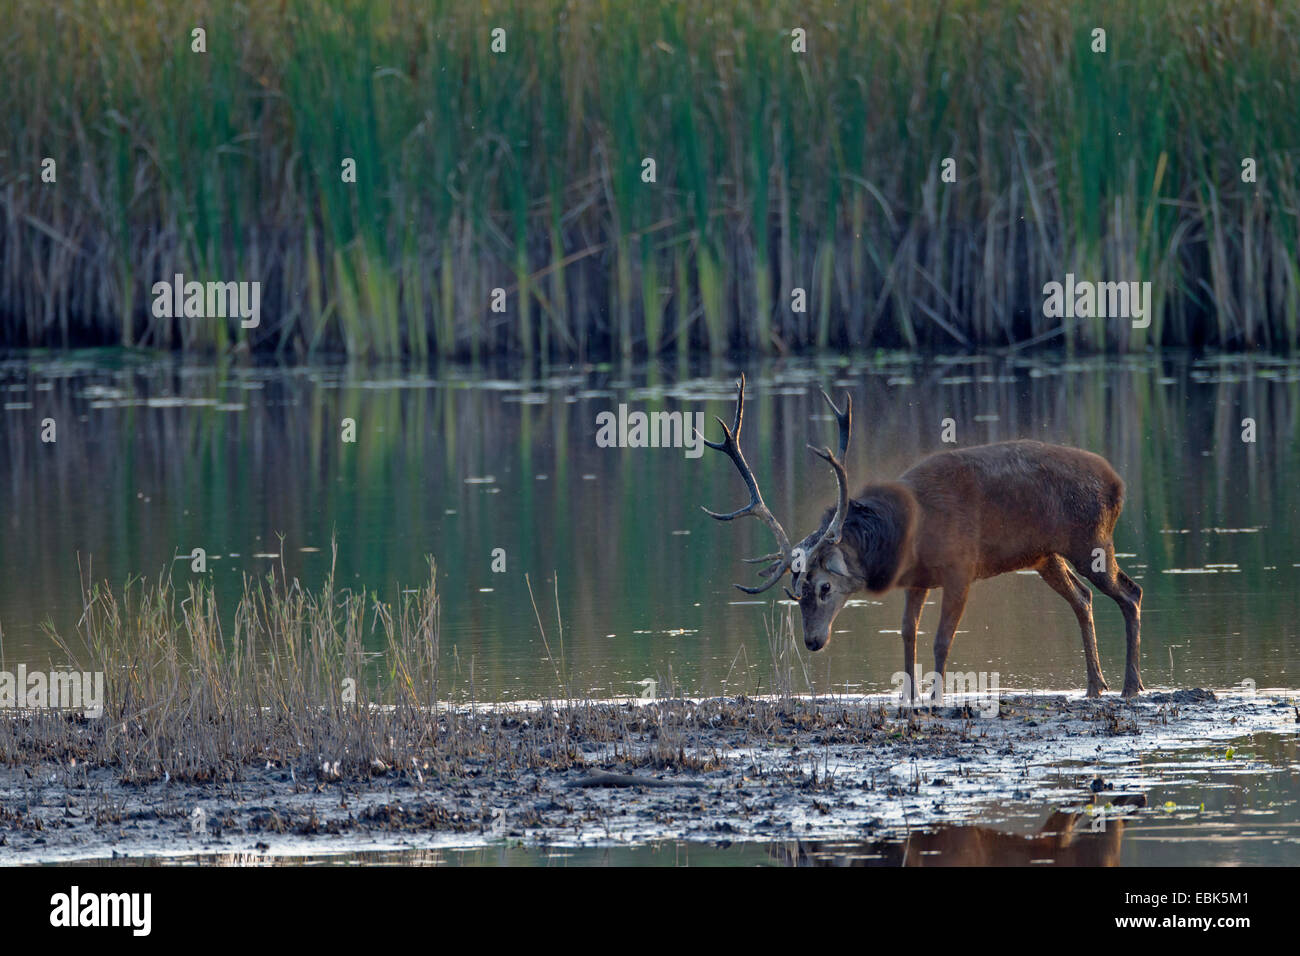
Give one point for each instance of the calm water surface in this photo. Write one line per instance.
(155, 457)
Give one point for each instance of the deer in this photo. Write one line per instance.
(954, 518)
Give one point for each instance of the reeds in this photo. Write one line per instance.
(317, 679)
(523, 171)
(333, 685)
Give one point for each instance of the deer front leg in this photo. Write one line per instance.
(950, 611)
(912, 607)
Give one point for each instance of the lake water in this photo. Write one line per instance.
(155, 457)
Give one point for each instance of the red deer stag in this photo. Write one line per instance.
(954, 518)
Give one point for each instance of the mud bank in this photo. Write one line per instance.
(733, 769)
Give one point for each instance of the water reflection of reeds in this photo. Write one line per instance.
(154, 460)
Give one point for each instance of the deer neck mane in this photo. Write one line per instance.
(879, 534)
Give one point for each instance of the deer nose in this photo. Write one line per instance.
(813, 643)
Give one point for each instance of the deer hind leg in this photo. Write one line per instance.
(912, 607)
(1124, 591)
(950, 611)
(1065, 583)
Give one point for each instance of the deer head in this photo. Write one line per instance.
(823, 577)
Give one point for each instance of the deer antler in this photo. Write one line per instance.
(814, 543)
(779, 560)
(845, 419)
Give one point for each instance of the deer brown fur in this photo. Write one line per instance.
(952, 519)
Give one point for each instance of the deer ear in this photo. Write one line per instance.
(835, 563)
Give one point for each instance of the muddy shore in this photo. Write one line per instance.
(824, 769)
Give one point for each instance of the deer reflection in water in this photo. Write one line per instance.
(1065, 839)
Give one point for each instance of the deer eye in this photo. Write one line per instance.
(824, 591)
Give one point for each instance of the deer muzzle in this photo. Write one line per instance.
(816, 640)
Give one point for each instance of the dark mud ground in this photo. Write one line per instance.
(842, 768)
